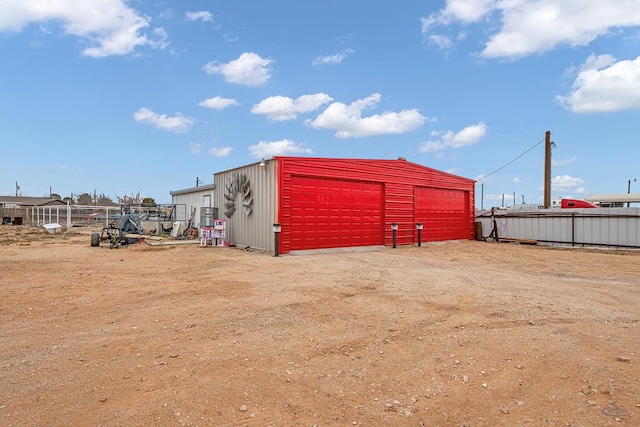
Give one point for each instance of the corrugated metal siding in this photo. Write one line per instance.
(399, 179)
(399, 209)
(256, 229)
(194, 199)
(602, 227)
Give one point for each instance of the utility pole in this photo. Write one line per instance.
(17, 189)
(547, 170)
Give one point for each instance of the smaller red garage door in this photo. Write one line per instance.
(332, 213)
(444, 213)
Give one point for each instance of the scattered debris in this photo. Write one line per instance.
(613, 410)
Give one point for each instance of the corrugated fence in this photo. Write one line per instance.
(601, 227)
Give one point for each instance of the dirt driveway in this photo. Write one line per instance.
(451, 334)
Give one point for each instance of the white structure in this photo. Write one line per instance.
(245, 197)
(614, 200)
(194, 199)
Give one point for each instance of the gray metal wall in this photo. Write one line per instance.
(253, 229)
(602, 227)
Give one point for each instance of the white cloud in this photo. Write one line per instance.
(430, 146)
(517, 180)
(218, 103)
(70, 168)
(284, 147)
(196, 147)
(109, 27)
(249, 69)
(220, 151)
(565, 182)
(534, 26)
(332, 59)
(348, 122)
(176, 124)
(202, 15)
(562, 162)
(441, 42)
(166, 14)
(466, 11)
(281, 108)
(161, 37)
(467, 136)
(604, 85)
(503, 196)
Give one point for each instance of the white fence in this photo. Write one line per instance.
(599, 227)
(78, 216)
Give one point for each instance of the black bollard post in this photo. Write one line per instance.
(394, 227)
(276, 231)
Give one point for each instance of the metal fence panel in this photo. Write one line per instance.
(603, 227)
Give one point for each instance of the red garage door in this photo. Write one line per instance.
(331, 213)
(444, 213)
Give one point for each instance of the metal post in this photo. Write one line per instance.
(276, 232)
(419, 225)
(547, 170)
(394, 228)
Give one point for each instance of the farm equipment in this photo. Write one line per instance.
(109, 234)
(127, 231)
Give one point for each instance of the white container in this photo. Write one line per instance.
(52, 228)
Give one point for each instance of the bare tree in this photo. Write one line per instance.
(104, 200)
(85, 199)
(130, 199)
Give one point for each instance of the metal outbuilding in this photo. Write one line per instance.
(193, 199)
(332, 203)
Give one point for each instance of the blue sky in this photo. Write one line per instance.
(145, 96)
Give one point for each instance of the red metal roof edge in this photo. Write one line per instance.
(381, 161)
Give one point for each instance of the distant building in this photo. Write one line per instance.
(614, 200)
(18, 209)
(28, 202)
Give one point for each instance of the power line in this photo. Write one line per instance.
(507, 164)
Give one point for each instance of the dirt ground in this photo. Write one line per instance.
(451, 334)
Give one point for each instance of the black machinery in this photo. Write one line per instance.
(128, 223)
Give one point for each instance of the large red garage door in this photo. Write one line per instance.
(444, 213)
(332, 213)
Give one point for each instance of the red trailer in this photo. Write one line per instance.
(576, 203)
